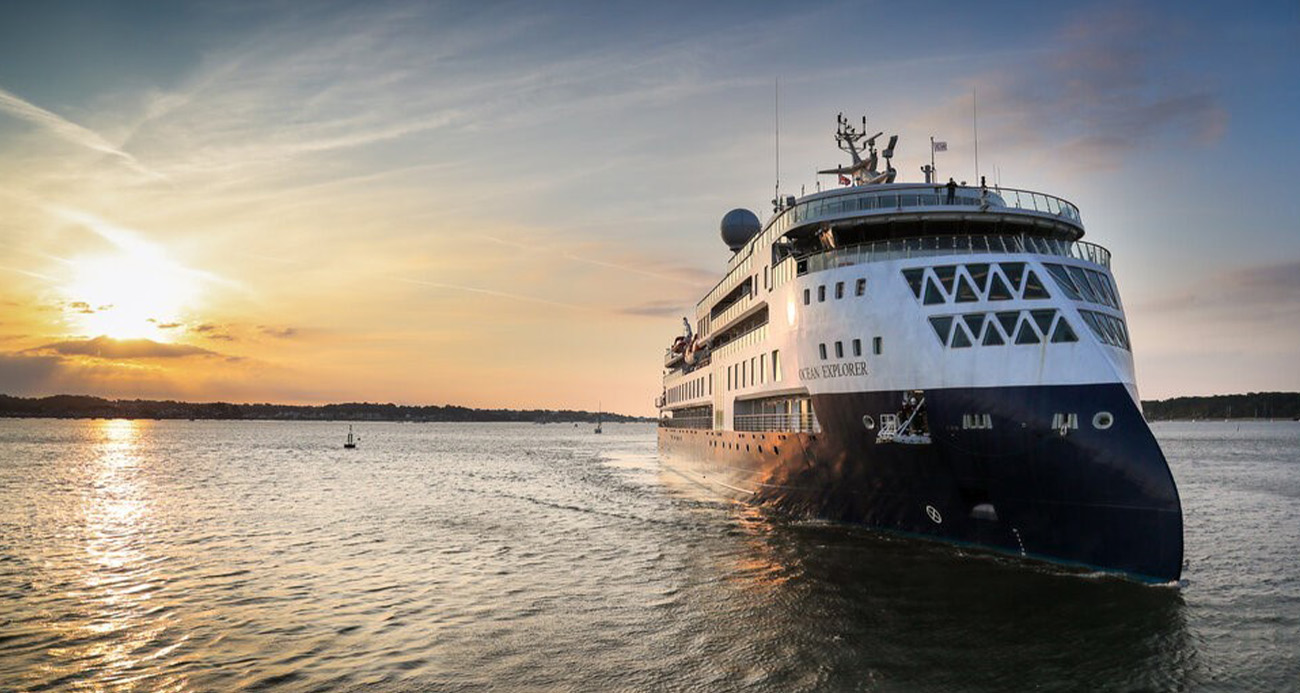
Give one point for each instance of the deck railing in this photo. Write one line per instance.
(930, 246)
(892, 199)
(797, 423)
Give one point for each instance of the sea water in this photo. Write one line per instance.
(211, 555)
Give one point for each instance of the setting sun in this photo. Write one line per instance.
(135, 292)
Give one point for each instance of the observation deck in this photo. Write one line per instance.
(929, 204)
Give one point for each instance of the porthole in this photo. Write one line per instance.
(1102, 420)
(868, 422)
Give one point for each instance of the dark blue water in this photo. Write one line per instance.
(258, 555)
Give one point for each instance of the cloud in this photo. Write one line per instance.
(67, 130)
(26, 374)
(280, 332)
(659, 309)
(120, 349)
(1245, 293)
(1106, 87)
(210, 330)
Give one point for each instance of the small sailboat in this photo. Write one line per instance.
(598, 421)
(352, 442)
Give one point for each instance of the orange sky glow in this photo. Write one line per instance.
(414, 205)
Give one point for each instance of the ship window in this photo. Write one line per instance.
(946, 273)
(992, 337)
(821, 293)
(1108, 324)
(1014, 272)
(1043, 318)
(1090, 319)
(1027, 335)
(821, 350)
(1063, 280)
(1063, 333)
(857, 347)
(839, 289)
(1008, 320)
(1033, 287)
(776, 366)
(1081, 280)
(959, 338)
(807, 296)
(979, 272)
(710, 383)
(942, 326)
(862, 287)
(1094, 278)
(965, 292)
(1123, 333)
(876, 346)
(762, 368)
(730, 371)
(998, 290)
(974, 321)
(932, 294)
(839, 350)
(753, 371)
(913, 277)
(1110, 289)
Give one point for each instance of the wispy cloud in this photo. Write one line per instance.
(1104, 88)
(658, 309)
(67, 130)
(122, 349)
(1268, 295)
(494, 293)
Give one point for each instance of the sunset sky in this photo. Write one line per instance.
(505, 204)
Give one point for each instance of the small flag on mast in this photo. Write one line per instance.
(844, 180)
(940, 146)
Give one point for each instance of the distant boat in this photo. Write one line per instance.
(598, 422)
(352, 442)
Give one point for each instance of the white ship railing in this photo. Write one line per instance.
(797, 423)
(885, 200)
(931, 246)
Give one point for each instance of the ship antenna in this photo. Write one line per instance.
(776, 117)
(975, 125)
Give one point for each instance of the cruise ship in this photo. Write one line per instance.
(932, 359)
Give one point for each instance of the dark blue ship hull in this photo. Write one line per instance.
(1100, 497)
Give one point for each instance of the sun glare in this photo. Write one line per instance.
(134, 293)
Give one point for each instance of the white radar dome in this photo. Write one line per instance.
(738, 226)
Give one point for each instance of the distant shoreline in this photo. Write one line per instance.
(1254, 406)
(87, 407)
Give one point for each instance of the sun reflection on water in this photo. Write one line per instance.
(122, 636)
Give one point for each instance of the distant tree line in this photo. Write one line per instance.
(85, 407)
(1254, 405)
